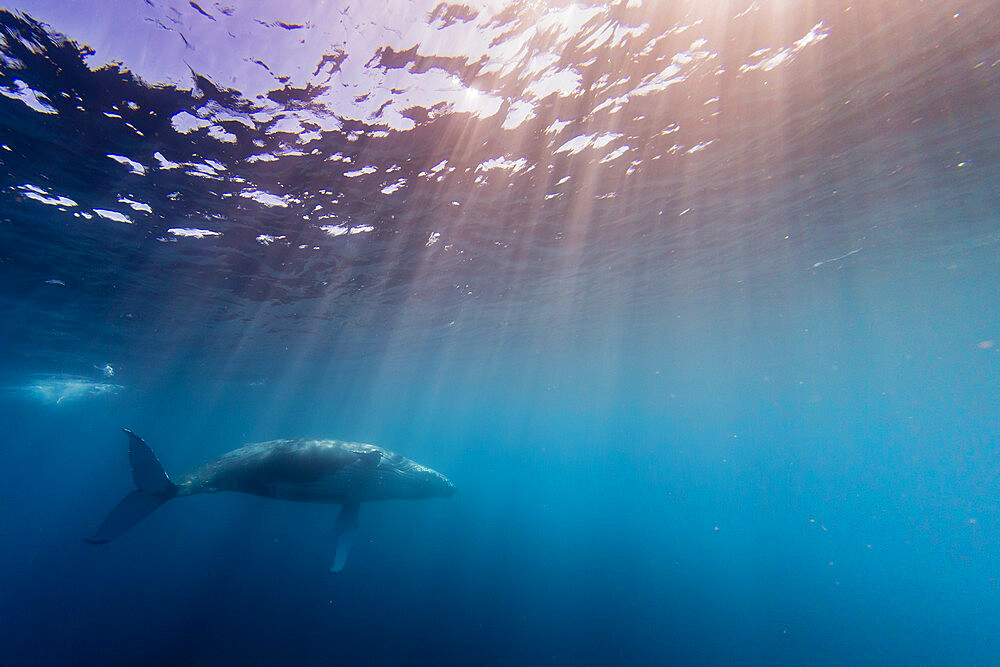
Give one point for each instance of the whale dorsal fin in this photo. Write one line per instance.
(347, 525)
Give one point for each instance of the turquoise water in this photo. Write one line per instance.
(696, 304)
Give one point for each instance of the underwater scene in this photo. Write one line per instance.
(515, 332)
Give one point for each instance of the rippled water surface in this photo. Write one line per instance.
(696, 302)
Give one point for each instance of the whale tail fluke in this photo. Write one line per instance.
(153, 488)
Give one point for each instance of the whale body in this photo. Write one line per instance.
(315, 471)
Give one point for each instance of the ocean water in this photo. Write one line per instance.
(696, 303)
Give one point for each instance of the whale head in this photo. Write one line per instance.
(399, 477)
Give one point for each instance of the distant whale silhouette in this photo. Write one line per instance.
(312, 471)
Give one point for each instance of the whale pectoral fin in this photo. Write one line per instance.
(347, 525)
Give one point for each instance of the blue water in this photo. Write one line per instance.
(701, 315)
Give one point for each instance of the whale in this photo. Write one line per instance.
(314, 471)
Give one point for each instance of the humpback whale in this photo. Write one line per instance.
(312, 471)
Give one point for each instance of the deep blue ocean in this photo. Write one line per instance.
(696, 303)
